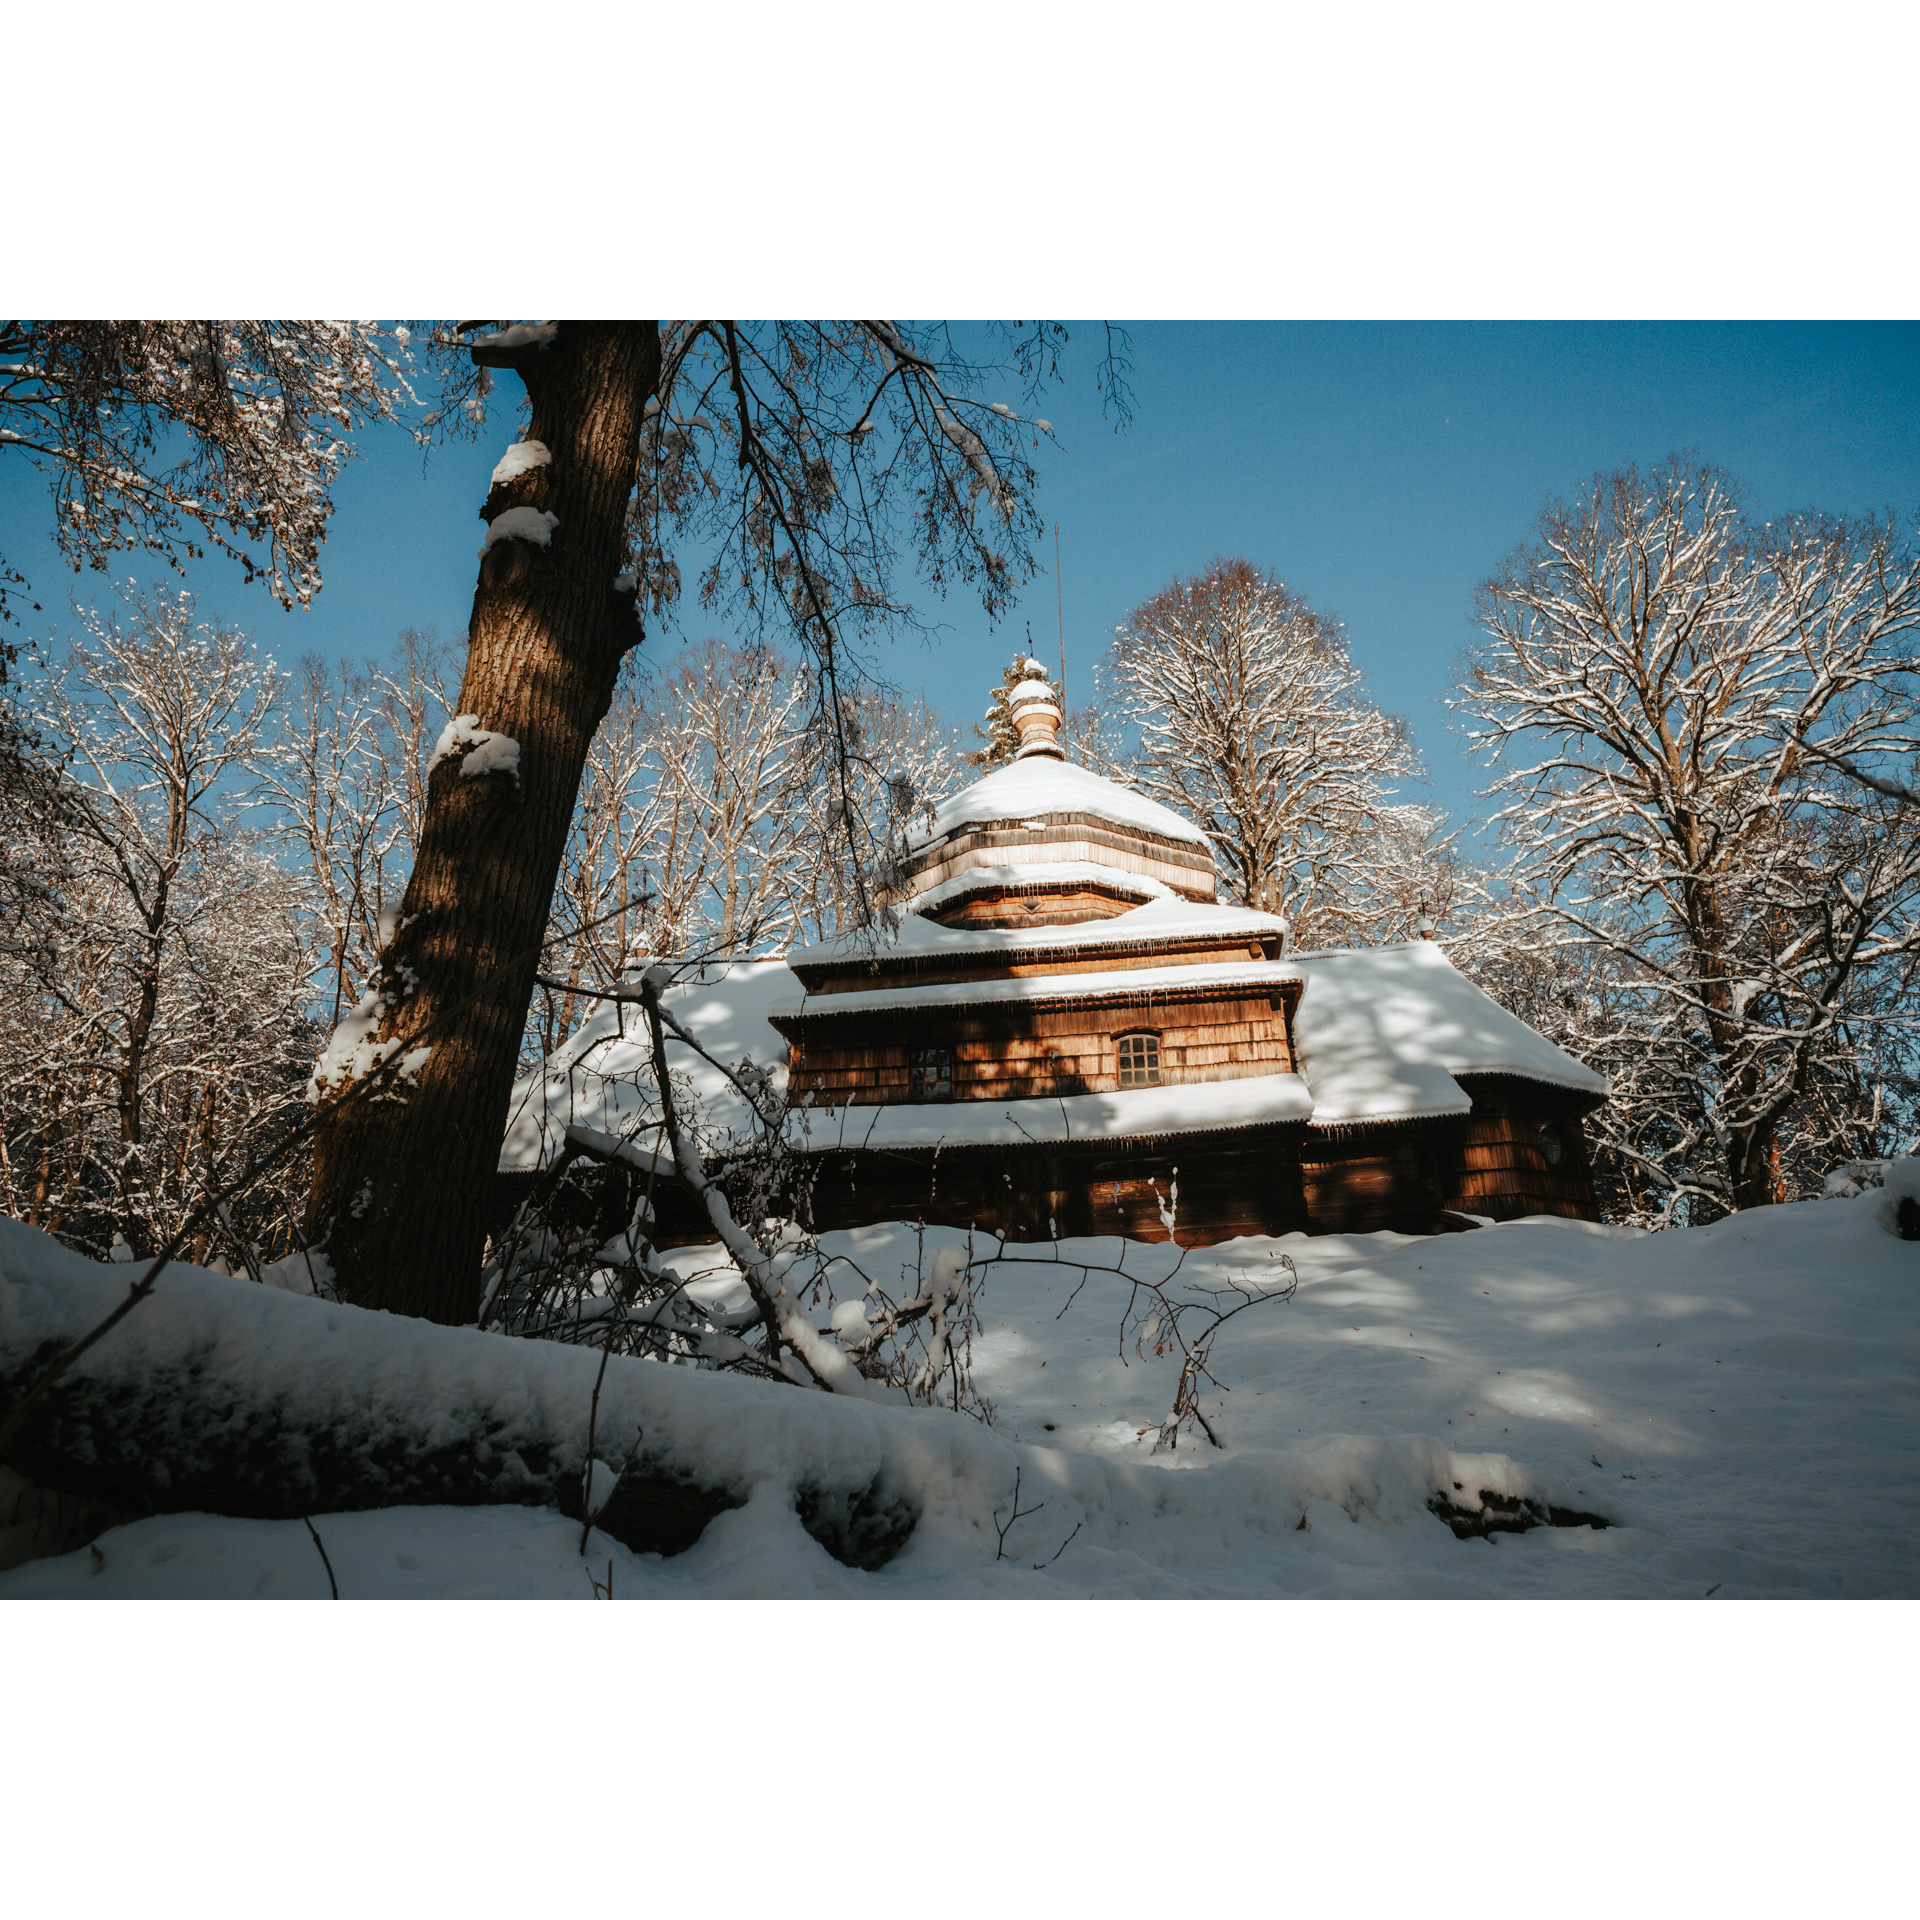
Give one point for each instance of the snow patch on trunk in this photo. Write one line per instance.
(521, 523)
(522, 457)
(481, 752)
(523, 333)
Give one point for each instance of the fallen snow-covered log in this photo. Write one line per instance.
(218, 1395)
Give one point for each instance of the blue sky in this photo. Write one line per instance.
(1383, 469)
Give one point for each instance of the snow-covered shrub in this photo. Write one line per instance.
(1890, 1188)
(577, 1266)
(1851, 1178)
(1896, 1201)
(920, 1343)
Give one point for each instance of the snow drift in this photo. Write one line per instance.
(1735, 1401)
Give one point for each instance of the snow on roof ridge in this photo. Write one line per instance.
(1171, 918)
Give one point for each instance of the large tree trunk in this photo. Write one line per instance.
(401, 1181)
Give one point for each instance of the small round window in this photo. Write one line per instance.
(1553, 1144)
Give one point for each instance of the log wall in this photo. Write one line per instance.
(1257, 1180)
(1374, 1179)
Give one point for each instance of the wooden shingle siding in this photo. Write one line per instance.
(1498, 1167)
(1372, 1179)
(1489, 1162)
(1012, 1052)
(1003, 908)
(1176, 863)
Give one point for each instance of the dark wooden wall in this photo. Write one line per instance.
(1254, 1180)
(1497, 1166)
(1374, 1179)
(1246, 1182)
(1257, 1180)
(1011, 1051)
(1489, 1162)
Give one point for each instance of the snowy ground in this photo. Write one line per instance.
(1739, 1401)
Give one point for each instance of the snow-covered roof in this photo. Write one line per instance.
(602, 1079)
(1210, 1107)
(1381, 1031)
(1168, 918)
(1038, 786)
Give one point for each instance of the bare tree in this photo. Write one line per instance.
(686, 829)
(1669, 690)
(327, 774)
(730, 747)
(162, 1012)
(1251, 722)
(1860, 1102)
(344, 769)
(1409, 876)
(900, 764)
(410, 688)
(606, 908)
(710, 819)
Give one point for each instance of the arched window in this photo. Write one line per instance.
(1553, 1144)
(1139, 1059)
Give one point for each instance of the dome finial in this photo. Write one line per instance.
(1036, 713)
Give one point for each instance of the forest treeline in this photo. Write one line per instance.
(207, 852)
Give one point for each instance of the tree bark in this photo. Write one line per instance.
(401, 1182)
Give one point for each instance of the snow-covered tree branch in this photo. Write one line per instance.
(157, 434)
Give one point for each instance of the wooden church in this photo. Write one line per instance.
(1069, 1034)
